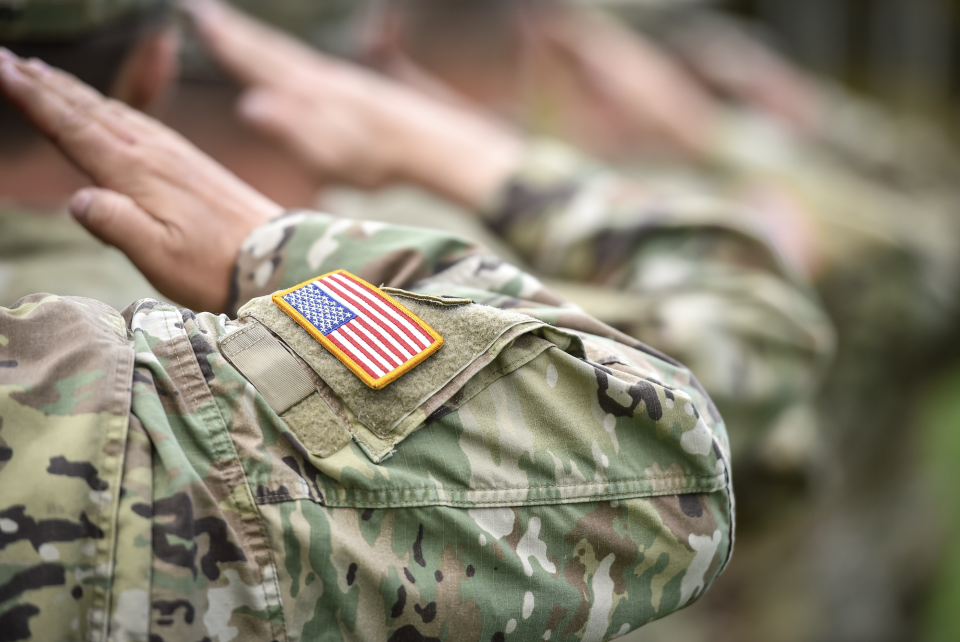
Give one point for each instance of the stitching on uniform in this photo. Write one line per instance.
(585, 486)
(730, 507)
(542, 502)
(462, 503)
(236, 335)
(118, 432)
(182, 332)
(235, 465)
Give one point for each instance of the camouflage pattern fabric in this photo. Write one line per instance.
(573, 485)
(888, 275)
(690, 275)
(875, 196)
(65, 19)
(886, 268)
(51, 252)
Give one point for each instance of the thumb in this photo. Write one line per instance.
(116, 219)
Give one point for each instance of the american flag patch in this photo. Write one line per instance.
(361, 325)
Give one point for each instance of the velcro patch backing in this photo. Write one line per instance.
(271, 369)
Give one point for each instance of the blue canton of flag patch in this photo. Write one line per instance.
(321, 310)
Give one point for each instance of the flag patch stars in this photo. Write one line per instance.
(377, 338)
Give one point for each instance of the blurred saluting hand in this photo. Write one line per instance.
(352, 124)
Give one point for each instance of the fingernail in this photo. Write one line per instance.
(80, 203)
(7, 55)
(9, 72)
(38, 65)
(254, 105)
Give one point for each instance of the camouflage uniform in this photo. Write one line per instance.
(537, 480)
(242, 533)
(886, 268)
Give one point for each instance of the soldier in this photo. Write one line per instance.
(193, 476)
(753, 370)
(267, 532)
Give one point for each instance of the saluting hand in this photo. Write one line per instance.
(350, 123)
(177, 214)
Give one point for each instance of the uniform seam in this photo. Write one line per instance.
(238, 474)
(119, 424)
(276, 498)
(541, 486)
(181, 334)
(550, 502)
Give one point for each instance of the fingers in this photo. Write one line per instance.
(651, 93)
(67, 124)
(273, 112)
(116, 219)
(124, 122)
(66, 111)
(253, 52)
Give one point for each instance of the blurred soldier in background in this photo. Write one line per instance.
(610, 249)
(753, 375)
(862, 205)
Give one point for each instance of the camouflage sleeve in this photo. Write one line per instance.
(302, 244)
(527, 482)
(560, 485)
(699, 282)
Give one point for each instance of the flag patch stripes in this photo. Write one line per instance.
(372, 334)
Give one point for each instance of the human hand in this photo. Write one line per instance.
(349, 123)
(554, 68)
(731, 62)
(626, 84)
(177, 214)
